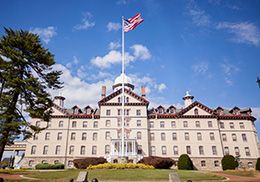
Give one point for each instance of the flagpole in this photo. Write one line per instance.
(123, 91)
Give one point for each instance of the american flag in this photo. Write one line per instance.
(131, 23)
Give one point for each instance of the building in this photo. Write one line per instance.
(205, 134)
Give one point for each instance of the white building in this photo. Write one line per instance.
(203, 133)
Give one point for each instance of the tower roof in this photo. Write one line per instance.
(119, 80)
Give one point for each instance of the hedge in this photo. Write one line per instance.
(229, 162)
(120, 166)
(49, 166)
(85, 162)
(257, 165)
(158, 162)
(185, 162)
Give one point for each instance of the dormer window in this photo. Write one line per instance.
(172, 110)
(160, 110)
(196, 111)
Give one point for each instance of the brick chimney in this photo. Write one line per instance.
(103, 92)
(143, 91)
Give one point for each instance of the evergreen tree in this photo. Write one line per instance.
(257, 165)
(26, 75)
(229, 162)
(185, 162)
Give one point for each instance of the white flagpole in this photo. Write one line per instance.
(123, 90)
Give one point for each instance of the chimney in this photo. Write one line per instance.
(103, 92)
(59, 101)
(143, 91)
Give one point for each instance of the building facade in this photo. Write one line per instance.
(205, 134)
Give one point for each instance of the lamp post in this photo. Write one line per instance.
(258, 81)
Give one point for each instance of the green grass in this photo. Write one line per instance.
(121, 175)
(249, 173)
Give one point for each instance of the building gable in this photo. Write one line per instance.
(58, 111)
(196, 109)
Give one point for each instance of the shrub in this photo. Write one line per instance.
(158, 162)
(257, 165)
(85, 162)
(49, 166)
(120, 166)
(229, 162)
(185, 162)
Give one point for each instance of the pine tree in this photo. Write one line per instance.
(26, 76)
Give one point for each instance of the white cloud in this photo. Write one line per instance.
(199, 17)
(256, 113)
(74, 61)
(114, 45)
(200, 68)
(45, 33)
(111, 26)
(243, 32)
(79, 92)
(229, 70)
(161, 87)
(140, 52)
(86, 22)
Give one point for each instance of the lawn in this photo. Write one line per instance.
(122, 175)
(248, 173)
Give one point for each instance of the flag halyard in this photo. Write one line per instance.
(131, 23)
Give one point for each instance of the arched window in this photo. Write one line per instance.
(74, 124)
(60, 123)
(57, 150)
(33, 149)
(196, 111)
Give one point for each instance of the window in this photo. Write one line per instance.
(44, 161)
(163, 136)
(47, 136)
(73, 136)
(138, 112)
(139, 149)
(139, 135)
(33, 149)
(231, 125)
(84, 136)
(197, 124)
(242, 126)
(108, 112)
(49, 124)
(119, 123)
(85, 124)
(203, 163)
(224, 137)
(185, 124)
(56, 161)
(94, 138)
(45, 149)
(60, 124)
(186, 136)
(152, 136)
(57, 150)
(199, 136)
(221, 124)
(164, 150)
(173, 124)
(162, 124)
(107, 149)
(126, 112)
(244, 137)
(127, 100)
(237, 153)
(174, 136)
(94, 150)
(210, 125)
(107, 135)
(175, 150)
(107, 123)
(71, 150)
(153, 150)
(95, 124)
(119, 134)
(226, 151)
(234, 137)
(38, 123)
(196, 111)
(118, 112)
(74, 124)
(214, 150)
(188, 149)
(138, 123)
(35, 136)
(31, 162)
(247, 151)
(119, 99)
(70, 163)
(201, 150)
(151, 123)
(59, 136)
(216, 163)
(250, 165)
(82, 150)
(127, 122)
(211, 136)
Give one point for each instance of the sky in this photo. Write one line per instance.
(210, 48)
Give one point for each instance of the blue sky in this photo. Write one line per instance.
(210, 48)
